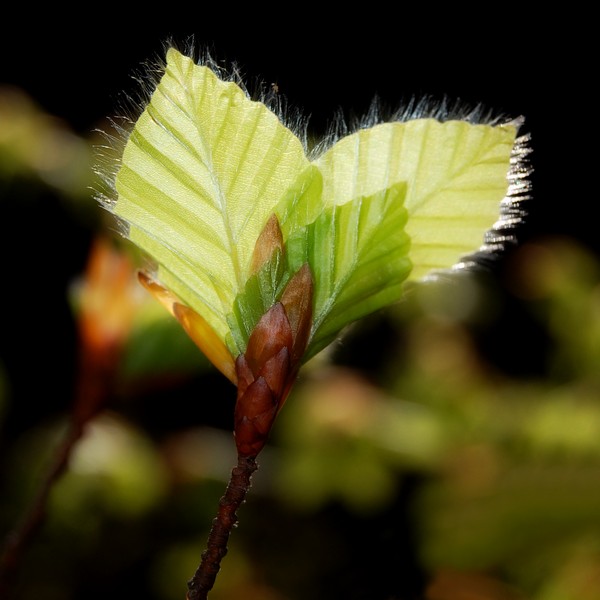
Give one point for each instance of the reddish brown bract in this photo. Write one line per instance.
(268, 368)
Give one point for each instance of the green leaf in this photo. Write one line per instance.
(302, 203)
(358, 255)
(300, 206)
(456, 177)
(201, 172)
(261, 291)
(205, 168)
(160, 348)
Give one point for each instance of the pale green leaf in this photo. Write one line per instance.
(300, 206)
(302, 203)
(261, 291)
(205, 167)
(358, 255)
(456, 177)
(202, 171)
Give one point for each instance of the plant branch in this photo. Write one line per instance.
(19, 539)
(216, 547)
(94, 385)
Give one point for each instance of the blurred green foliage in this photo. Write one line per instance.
(410, 454)
(36, 145)
(158, 346)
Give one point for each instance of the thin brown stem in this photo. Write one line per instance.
(21, 536)
(216, 547)
(94, 385)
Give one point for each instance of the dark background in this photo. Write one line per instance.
(515, 62)
(537, 66)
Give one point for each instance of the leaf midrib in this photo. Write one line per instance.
(191, 115)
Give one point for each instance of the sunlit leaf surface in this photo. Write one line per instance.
(206, 167)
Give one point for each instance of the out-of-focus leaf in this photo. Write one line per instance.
(36, 145)
(158, 346)
(114, 467)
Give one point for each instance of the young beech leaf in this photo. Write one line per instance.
(201, 172)
(223, 197)
(261, 291)
(456, 177)
(358, 253)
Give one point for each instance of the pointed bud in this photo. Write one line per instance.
(245, 377)
(271, 333)
(276, 372)
(263, 372)
(106, 300)
(254, 414)
(269, 241)
(268, 368)
(297, 299)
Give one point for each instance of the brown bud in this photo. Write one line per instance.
(269, 241)
(276, 372)
(297, 299)
(268, 368)
(271, 333)
(244, 375)
(255, 412)
(263, 372)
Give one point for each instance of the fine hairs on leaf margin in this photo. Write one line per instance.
(427, 107)
(130, 106)
(504, 234)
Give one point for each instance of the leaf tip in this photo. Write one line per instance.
(268, 243)
(160, 293)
